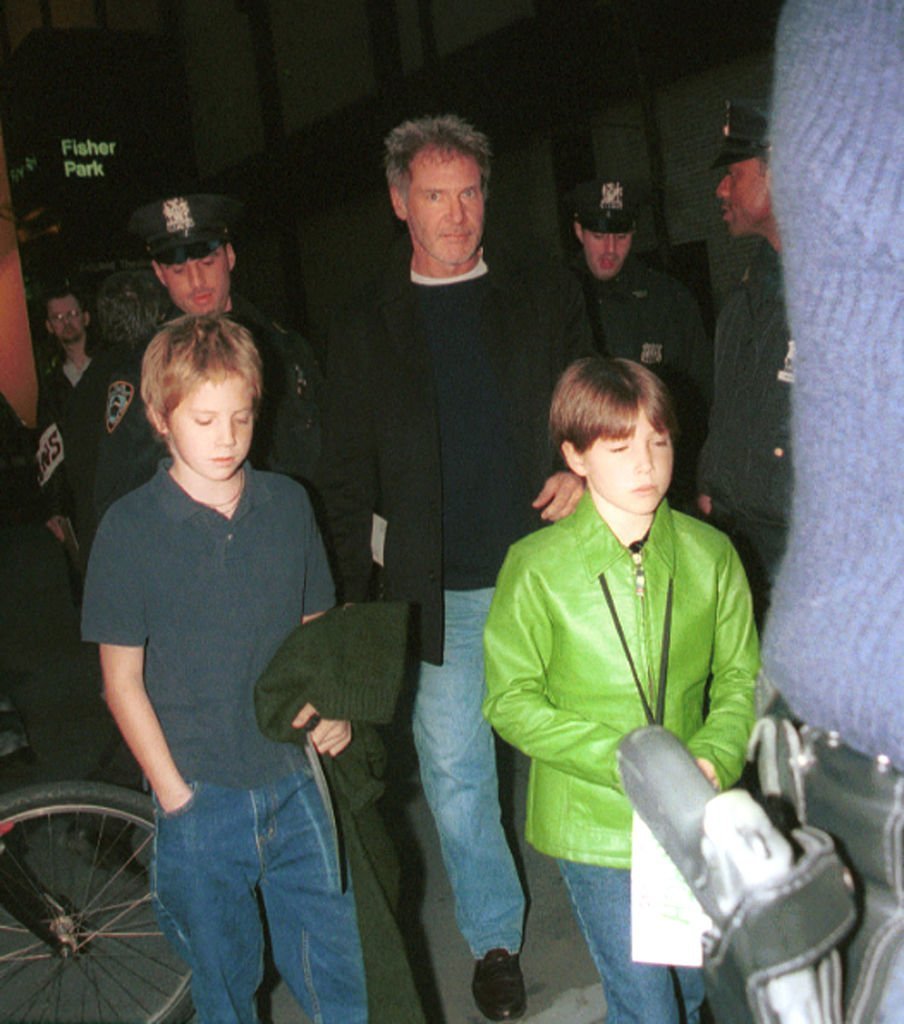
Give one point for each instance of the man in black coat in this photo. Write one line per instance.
(436, 458)
(189, 240)
(67, 430)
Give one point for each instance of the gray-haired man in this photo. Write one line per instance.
(436, 448)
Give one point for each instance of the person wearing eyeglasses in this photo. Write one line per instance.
(66, 319)
(67, 322)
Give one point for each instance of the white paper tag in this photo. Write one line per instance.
(667, 921)
(377, 538)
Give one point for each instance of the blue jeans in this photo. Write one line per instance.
(213, 856)
(892, 1009)
(457, 757)
(635, 993)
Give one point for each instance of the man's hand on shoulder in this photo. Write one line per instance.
(559, 496)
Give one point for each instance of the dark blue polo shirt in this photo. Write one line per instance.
(212, 599)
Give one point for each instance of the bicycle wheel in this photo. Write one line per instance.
(79, 941)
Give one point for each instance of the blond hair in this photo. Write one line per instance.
(190, 351)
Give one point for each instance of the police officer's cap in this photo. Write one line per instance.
(185, 227)
(607, 205)
(745, 133)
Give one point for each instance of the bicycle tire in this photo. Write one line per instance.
(78, 853)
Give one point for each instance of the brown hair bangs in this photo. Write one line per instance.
(597, 397)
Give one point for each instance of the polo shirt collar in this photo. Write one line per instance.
(180, 507)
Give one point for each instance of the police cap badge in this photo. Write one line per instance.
(188, 227)
(605, 205)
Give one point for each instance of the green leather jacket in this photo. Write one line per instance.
(558, 682)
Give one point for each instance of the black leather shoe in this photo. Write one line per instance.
(498, 986)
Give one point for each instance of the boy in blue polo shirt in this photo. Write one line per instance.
(195, 579)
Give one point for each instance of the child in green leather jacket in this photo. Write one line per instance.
(623, 614)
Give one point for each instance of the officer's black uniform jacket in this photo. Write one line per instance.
(286, 434)
(381, 437)
(650, 317)
(77, 412)
(745, 466)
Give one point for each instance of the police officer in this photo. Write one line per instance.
(745, 465)
(643, 314)
(189, 240)
(67, 321)
(70, 397)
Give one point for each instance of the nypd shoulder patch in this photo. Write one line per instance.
(119, 398)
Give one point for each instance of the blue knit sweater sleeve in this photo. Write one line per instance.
(834, 643)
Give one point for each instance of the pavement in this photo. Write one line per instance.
(54, 682)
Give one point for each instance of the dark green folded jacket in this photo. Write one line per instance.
(350, 664)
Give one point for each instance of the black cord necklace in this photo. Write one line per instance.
(652, 719)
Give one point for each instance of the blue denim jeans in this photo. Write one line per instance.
(213, 856)
(635, 993)
(457, 757)
(892, 1009)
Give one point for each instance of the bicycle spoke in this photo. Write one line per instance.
(79, 941)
